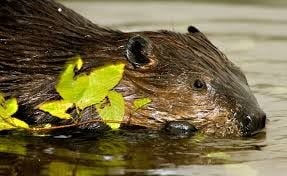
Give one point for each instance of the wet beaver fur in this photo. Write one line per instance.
(191, 83)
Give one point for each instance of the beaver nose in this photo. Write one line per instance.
(252, 124)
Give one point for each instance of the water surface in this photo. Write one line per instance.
(253, 36)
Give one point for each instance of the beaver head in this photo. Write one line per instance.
(188, 79)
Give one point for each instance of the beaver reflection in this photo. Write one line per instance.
(188, 79)
(118, 153)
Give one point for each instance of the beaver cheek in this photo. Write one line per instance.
(179, 128)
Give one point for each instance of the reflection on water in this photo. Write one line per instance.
(254, 37)
(120, 152)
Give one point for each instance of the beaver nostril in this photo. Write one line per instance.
(252, 124)
(247, 120)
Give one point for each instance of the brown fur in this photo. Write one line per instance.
(36, 40)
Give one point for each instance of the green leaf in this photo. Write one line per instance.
(12, 123)
(7, 109)
(101, 81)
(114, 111)
(140, 103)
(57, 108)
(85, 90)
(69, 87)
(11, 106)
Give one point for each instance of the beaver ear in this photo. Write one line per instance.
(192, 29)
(139, 51)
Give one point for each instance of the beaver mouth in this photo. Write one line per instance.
(250, 125)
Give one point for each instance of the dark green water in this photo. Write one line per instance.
(253, 36)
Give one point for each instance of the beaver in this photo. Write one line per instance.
(192, 84)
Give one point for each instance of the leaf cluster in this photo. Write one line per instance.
(79, 91)
(85, 90)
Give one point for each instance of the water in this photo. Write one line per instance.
(254, 37)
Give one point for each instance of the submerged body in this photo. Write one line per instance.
(187, 78)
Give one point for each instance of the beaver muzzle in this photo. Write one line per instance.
(252, 123)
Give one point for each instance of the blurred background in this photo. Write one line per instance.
(249, 2)
(252, 33)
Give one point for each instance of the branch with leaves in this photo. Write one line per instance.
(84, 90)
(79, 91)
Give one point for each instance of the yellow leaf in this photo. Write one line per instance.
(57, 108)
(114, 111)
(101, 81)
(85, 90)
(140, 103)
(12, 123)
(11, 106)
(79, 62)
(7, 109)
(69, 87)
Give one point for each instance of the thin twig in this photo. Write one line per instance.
(37, 129)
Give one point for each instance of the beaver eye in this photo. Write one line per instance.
(198, 84)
